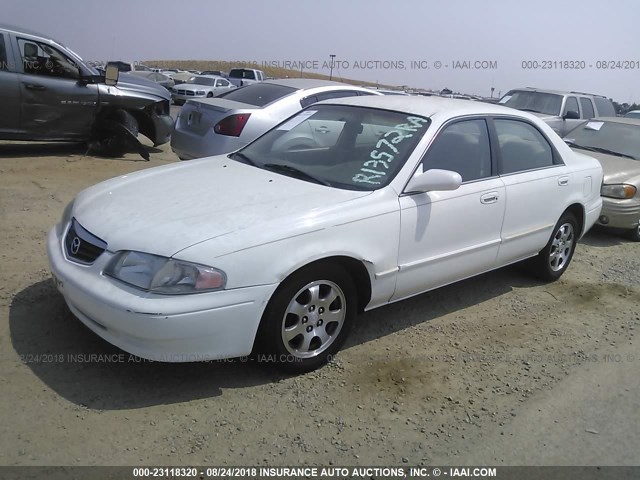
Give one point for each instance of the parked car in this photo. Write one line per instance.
(633, 114)
(215, 72)
(231, 120)
(563, 111)
(182, 77)
(273, 250)
(245, 76)
(157, 77)
(615, 142)
(48, 93)
(200, 86)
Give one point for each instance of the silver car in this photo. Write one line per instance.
(200, 86)
(615, 142)
(562, 111)
(230, 121)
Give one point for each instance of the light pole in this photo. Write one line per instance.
(331, 73)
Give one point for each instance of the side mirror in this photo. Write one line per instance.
(111, 75)
(434, 180)
(571, 115)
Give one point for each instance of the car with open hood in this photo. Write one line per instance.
(275, 248)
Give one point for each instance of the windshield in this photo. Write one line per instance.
(633, 115)
(538, 102)
(615, 137)
(202, 81)
(241, 73)
(342, 146)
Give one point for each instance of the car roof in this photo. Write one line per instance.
(428, 106)
(627, 120)
(307, 83)
(27, 31)
(207, 76)
(557, 92)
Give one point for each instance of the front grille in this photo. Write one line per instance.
(83, 246)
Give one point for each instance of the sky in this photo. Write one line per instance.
(468, 46)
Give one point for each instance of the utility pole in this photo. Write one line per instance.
(332, 55)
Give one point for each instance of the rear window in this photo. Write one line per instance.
(242, 73)
(605, 107)
(258, 94)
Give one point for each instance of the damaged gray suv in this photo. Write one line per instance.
(48, 93)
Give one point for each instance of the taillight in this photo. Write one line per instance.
(232, 125)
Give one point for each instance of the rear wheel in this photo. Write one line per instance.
(308, 318)
(554, 258)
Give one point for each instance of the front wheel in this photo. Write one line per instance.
(308, 318)
(554, 258)
(634, 233)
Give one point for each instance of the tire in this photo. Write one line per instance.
(115, 145)
(210, 95)
(295, 332)
(634, 233)
(555, 257)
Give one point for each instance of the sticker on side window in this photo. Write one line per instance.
(594, 126)
(297, 120)
(374, 169)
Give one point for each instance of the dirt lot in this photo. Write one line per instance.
(499, 369)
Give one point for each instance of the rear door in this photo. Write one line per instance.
(9, 90)
(536, 182)
(55, 104)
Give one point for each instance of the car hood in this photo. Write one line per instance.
(166, 209)
(617, 169)
(135, 83)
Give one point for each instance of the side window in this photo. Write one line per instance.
(3, 54)
(462, 147)
(522, 147)
(587, 108)
(223, 83)
(605, 107)
(42, 59)
(311, 99)
(571, 105)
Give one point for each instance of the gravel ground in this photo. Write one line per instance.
(430, 380)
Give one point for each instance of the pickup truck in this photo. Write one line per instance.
(245, 76)
(48, 93)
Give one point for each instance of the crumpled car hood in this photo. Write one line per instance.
(166, 209)
(140, 84)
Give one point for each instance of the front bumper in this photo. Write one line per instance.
(179, 98)
(166, 328)
(620, 213)
(162, 125)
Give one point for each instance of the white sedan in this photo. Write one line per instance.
(274, 249)
(200, 86)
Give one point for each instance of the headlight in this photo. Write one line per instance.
(200, 92)
(618, 191)
(164, 275)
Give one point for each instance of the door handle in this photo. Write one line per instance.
(322, 130)
(31, 86)
(563, 181)
(491, 197)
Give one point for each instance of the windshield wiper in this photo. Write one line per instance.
(279, 167)
(599, 150)
(242, 157)
(529, 110)
(611, 152)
